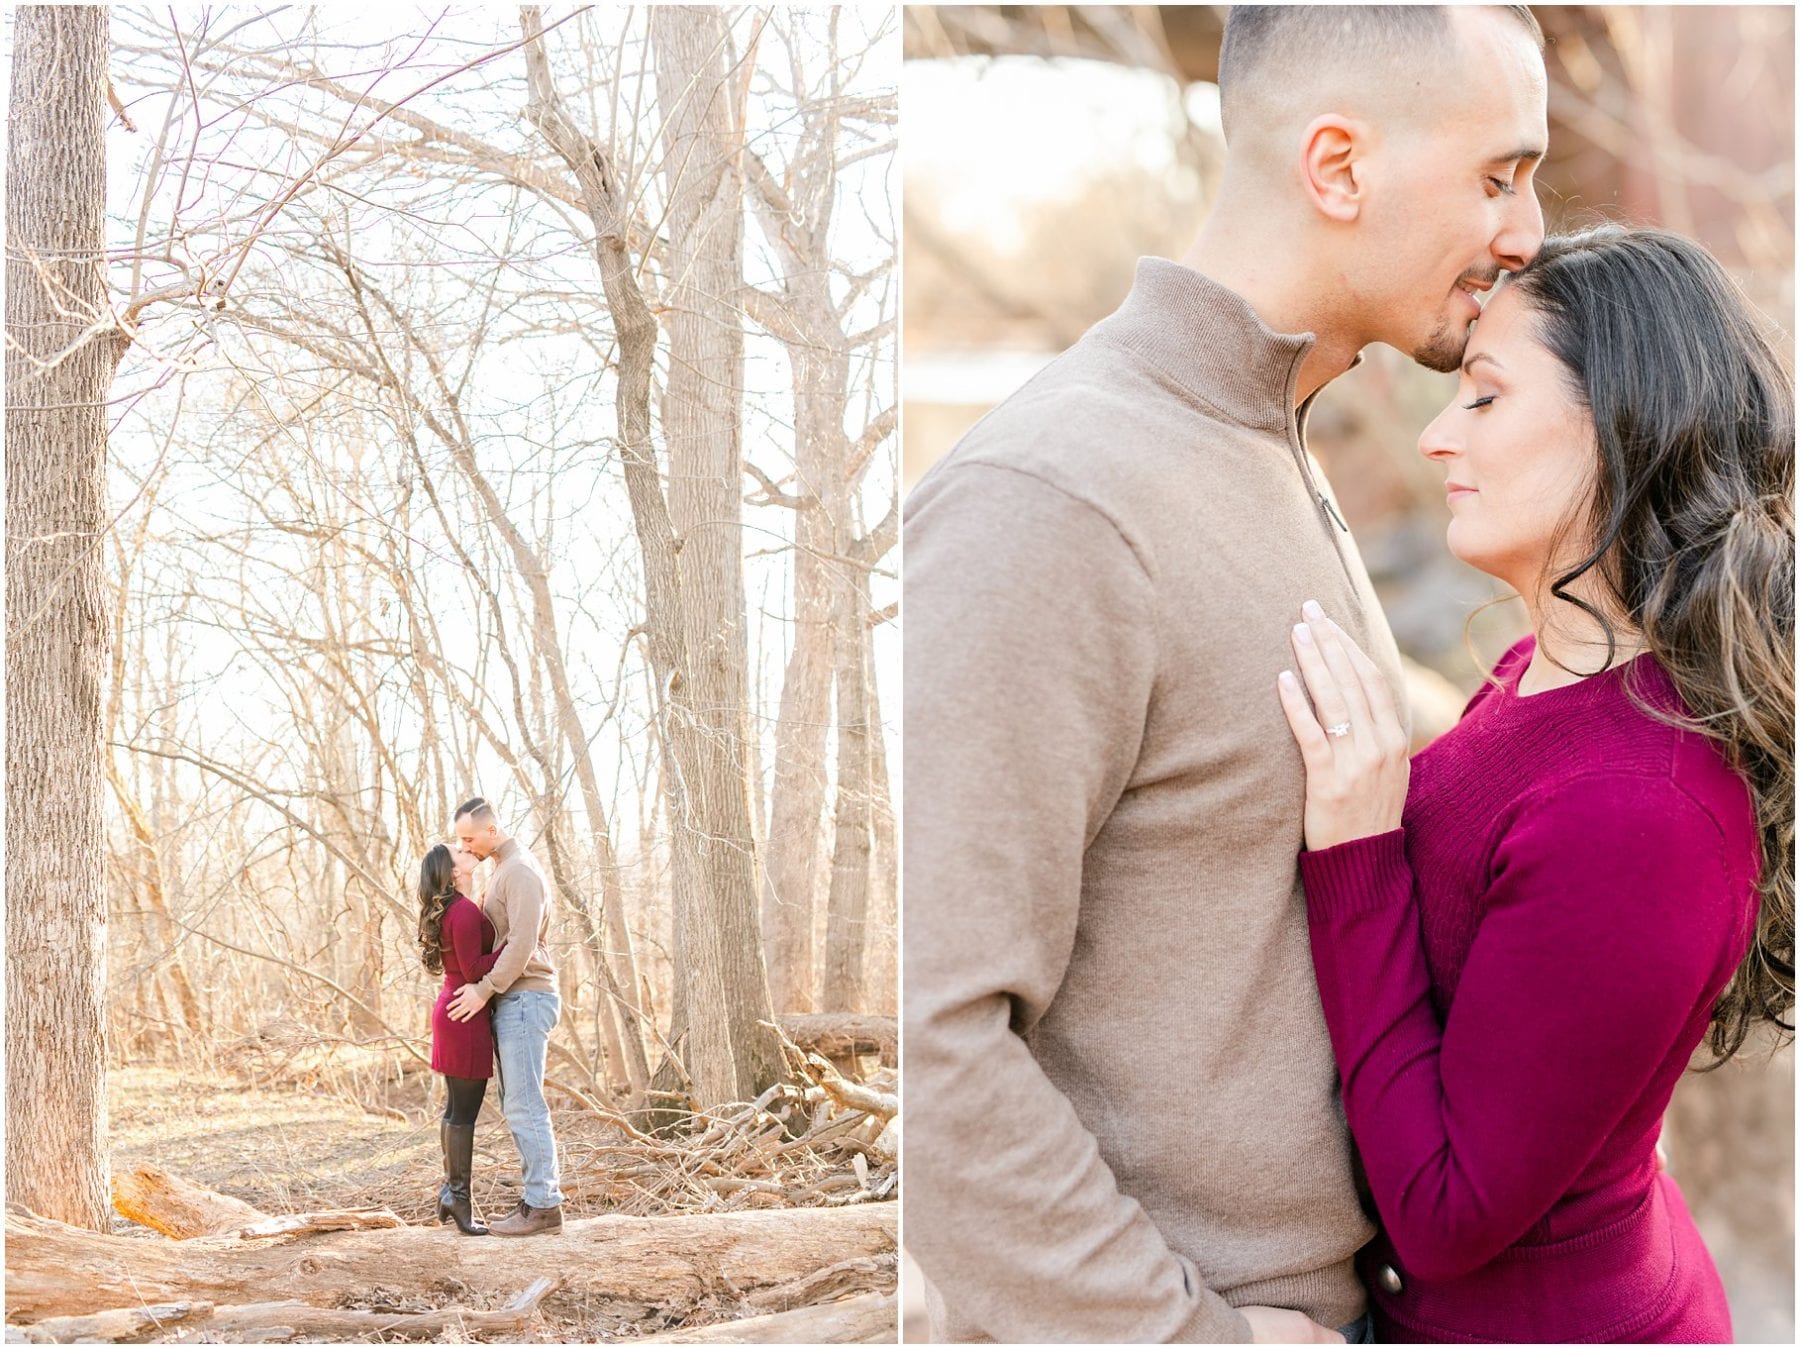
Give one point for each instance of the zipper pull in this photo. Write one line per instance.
(1331, 510)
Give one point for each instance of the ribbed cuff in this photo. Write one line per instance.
(1213, 1320)
(1332, 1296)
(1215, 1324)
(1357, 876)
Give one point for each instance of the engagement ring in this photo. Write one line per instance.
(1339, 731)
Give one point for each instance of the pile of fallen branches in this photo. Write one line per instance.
(819, 1139)
(383, 1074)
(816, 1140)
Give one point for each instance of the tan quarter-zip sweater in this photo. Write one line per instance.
(1122, 1109)
(517, 903)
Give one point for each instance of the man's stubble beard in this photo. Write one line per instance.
(1443, 350)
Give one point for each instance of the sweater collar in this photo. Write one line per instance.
(1209, 341)
(506, 850)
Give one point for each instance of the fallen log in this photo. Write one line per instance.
(181, 1209)
(53, 1269)
(868, 1097)
(841, 1035)
(855, 1096)
(109, 1327)
(869, 1274)
(889, 1142)
(178, 1208)
(265, 1321)
(261, 1322)
(325, 1220)
(869, 1318)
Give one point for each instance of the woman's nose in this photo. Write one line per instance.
(1437, 441)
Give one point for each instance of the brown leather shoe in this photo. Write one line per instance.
(526, 1221)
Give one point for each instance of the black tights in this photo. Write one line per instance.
(463, 1101)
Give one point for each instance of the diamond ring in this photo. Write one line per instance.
(1339, 731)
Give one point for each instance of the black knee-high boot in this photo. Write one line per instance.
(454, 1199)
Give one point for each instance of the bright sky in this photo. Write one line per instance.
(994, 136)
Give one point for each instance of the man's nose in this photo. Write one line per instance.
(1523, 233)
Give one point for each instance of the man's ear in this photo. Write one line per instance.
(1331, 165)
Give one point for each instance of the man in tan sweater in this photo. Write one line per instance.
(1122, 1103)
(522, 986)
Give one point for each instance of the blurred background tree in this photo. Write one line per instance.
(1048, 147)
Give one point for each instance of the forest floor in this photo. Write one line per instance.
(291, 1147)
(282, 1148)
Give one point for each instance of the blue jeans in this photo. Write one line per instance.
(522, 1025)
(1361, 1330)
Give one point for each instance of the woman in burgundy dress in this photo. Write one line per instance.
(456, 939)
(1519, 948)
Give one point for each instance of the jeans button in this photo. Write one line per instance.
(1389, 1280)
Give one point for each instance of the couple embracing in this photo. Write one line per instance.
(1274, 1032)
(497, 1006)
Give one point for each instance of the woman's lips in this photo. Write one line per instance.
(1456, 491)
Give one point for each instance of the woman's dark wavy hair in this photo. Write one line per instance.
(437, 887)
(1691, 527)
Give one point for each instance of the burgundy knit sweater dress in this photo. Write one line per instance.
(463, 1048)
(1514, 981)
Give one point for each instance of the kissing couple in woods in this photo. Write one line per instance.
(1274, 1032)
(497, 1006)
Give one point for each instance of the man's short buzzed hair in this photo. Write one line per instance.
(1268, 41)
(476, 808)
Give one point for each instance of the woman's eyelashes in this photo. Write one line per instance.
(1479, 402)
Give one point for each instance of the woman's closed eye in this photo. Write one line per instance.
(1479, 402)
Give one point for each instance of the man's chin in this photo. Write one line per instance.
(1443, 350)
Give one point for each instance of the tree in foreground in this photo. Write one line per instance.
(61, 352)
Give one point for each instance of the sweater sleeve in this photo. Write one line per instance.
(1608, 922)
(481, 965)
(524, 912)
(1030, 656)
(462, 930)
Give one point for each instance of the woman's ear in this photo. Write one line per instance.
(1332, 150)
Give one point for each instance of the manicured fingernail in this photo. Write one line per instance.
(1303, 634)
(1286, 679)
(1313, 611)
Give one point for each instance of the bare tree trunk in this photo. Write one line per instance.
(847, 909)
(796, 211)
(156, 902)
(702, 421)
(700, 684)
(798, 797)
(883, 983)
(60, 358)
(158, 926)
(820, 375)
